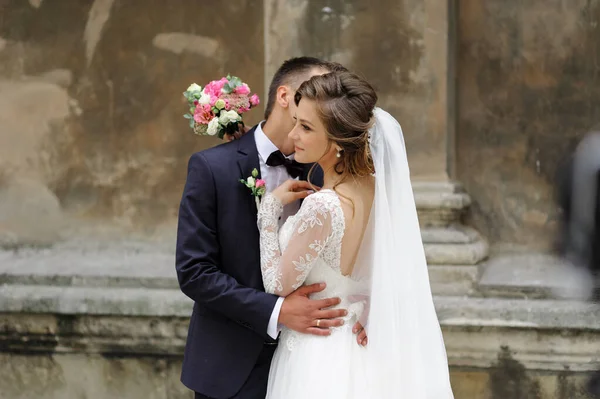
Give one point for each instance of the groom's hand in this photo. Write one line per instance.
(302, 314)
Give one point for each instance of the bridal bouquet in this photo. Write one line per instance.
(217, 109)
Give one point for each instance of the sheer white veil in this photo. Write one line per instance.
(405, 354)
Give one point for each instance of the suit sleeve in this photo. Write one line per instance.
(197, 256)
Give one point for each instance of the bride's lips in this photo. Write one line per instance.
(296, 148)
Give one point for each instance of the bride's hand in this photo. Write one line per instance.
(361, 334)
(292, 190)
(237, 135)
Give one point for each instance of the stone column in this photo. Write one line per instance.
(405, 48)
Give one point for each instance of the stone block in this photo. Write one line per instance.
(456, 254)
(533, 275)
(61, 376)
(85, 263)
(496, 348)
(88, 300)
(452, 280)
(469, 384)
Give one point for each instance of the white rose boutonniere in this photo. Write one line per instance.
(257, 186)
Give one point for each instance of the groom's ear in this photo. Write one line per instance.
(284, 96)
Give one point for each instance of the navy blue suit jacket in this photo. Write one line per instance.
(218, 267)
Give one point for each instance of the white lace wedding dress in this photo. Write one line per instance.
(308, 366)
(406, 356)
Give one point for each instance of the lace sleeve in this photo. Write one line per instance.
(285, 272)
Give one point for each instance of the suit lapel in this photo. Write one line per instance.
(248, 161)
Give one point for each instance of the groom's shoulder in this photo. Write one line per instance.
(225, 152)
(216, 155)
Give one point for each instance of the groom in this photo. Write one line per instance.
(235, 324)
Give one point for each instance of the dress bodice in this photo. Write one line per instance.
(314, 260)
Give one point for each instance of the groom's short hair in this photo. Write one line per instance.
(293, 72)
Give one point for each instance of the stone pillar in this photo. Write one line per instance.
(405, 48)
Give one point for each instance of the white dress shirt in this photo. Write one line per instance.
(273, 176)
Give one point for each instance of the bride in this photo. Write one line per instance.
(360, 235)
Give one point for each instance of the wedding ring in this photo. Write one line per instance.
(318, 322)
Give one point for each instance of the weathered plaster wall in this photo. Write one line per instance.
(527, 91)
(91, 125)
(91, 131)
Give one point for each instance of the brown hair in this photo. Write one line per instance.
(345, 104)
(293, 72)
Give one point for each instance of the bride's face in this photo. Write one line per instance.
(310, 137)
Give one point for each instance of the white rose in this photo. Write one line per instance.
(194, 87)
(250, 181)
(229, 116)
(204, 99)
(213, 126)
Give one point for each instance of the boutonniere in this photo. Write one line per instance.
(257, 187)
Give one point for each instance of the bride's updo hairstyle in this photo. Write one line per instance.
(345, 104)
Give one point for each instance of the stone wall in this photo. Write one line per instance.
(400, 46)
(132, 348)
(107, 146)
(91, 127)
(527, 91)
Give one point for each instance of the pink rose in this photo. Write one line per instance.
(260, 183)
(221, 82)
(214, 88)
(254, 100)
(243, 109)
(209, 88)
(203, 114)
(243, 89)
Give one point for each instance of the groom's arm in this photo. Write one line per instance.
(197, 256)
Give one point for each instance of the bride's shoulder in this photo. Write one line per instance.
(323, 200)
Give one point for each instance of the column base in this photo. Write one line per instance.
(453, 250)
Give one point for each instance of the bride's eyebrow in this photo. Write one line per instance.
(307, 122)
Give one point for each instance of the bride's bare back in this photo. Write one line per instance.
(356, 199)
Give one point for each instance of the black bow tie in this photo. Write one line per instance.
(293, 168)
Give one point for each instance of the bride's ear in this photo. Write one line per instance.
(283, 96)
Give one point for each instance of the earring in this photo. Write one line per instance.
(339, 154)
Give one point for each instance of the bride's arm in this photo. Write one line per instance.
(284, 272)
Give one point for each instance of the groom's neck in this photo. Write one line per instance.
(278, 132)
